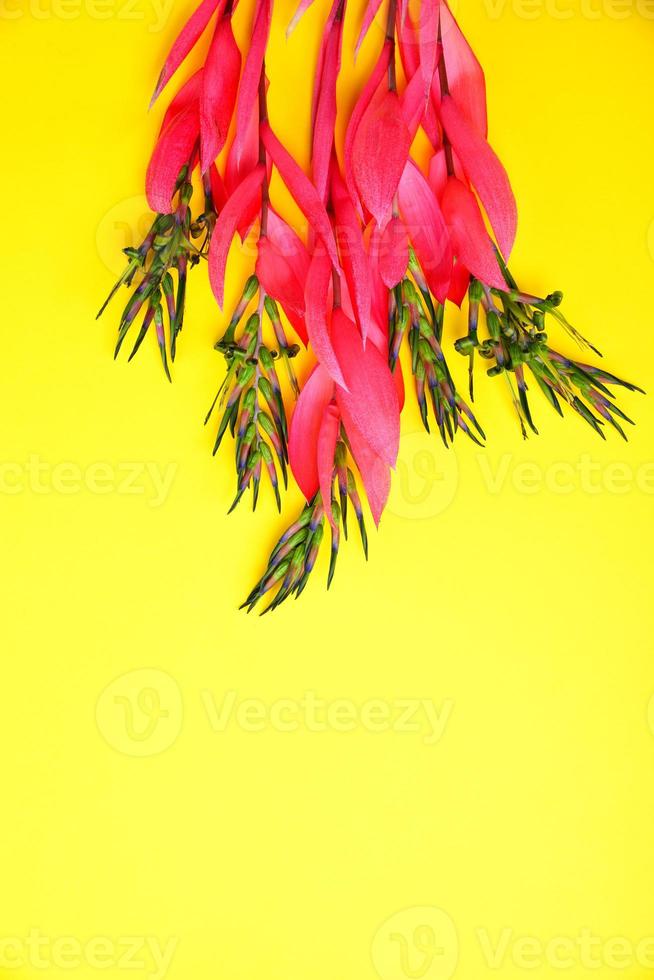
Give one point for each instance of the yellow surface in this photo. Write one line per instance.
(508, 828)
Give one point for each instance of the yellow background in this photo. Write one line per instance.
(521, 611)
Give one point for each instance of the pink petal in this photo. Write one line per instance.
(219, 86)
(289, 244)
(370, 13)
(189, 93)
(327, 439)
(408, 38)
(371, 398)
(282, 279)
(301, 189)
(317, 303)
(248, 91)
(465, 76)
(300, 11)
(278, 278)
(393, 252)
(237, 169)
(378, 333)
(485, 173)
(427, 229)
(225, 229)
(358, 111)
(409, 54)
(185, 41)
(458, 284)
(172, 151)
(375, 473)
(470, 239)
(379, 154)
(428, 39)
(317, 75)
(293, 251)
(218, 192)
(325, 116)
(379, 293)
(317, 392)
(438, 172)
(352, 251)
(414, 103)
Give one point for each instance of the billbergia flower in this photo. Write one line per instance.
(329, 320)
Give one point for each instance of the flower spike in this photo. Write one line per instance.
(367, 292)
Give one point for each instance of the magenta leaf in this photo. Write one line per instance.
(325, 115)
(241, 200)
(302, 190)
(375, 473)
(485, 173)
(358, 111)
(317, 392)
(379, 154)
(465, 76)
(371, 399)
(317, 304)
(393, 252)
(188, 94)
(300, 11)
(470, 239)
(247, 95)
(218, 96)
(369, 15)
(352, 251)
(171, 153)
(186, 41)
(427, 230)
(327, 439)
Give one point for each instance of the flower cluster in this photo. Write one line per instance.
(391, 242)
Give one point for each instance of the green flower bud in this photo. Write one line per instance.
(494, 324)
(271, 309)
(475, 291)
(464, 345)
(251, 287)
(266, 359)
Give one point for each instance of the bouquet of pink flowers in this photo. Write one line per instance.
(389, 245)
